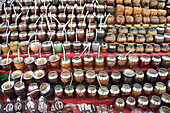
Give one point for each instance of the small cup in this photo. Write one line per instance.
(99, 63)
(130, 103)
(95, 46)
(139, 76)
(77, 62)
(19, 63)
(76, 47)
(147, 89)
(121, 60)
(69, 91)
(28, 77)
(103, 78)
(85, 44)
(165, 60)
(157, 48)
(142, 103)
(5, 48)
(15, 75)
(90, 35)
(128, 76)
(46, 91)
(103, 92)
(14, 47)
(159, 38)
(165, 98)
(41, 36)
(23, 45)
(29, 61)
(88, 62)
(156, 61)
(116, 77)
(20, 89)
(35, 46)
(46, 47)
(151, 75)
(58, 46)
(137, 89)
(91, 90)
(39, 76)
(163, 74)
(6, 63)
(119, 104)
(67, 46)
(80, 34)
(41, 63)
(160, 88)
(32, 87)
(126, 90)
(110, 61)
(121, 48)
(155, 103)
(65, 77)
(58, 91)
(104, 46)
(53, 77)
(167, 37)
(114, 90)
(164, 109)
(90, 76)
(54, 61)
(145, 61)
(133, 61)
(111, 48)
(65, 63)
(80, 91)
(8, 89)
(78, 75)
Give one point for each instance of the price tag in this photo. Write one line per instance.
(57, 105)
(43, 106)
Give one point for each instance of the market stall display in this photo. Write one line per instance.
(91, 55)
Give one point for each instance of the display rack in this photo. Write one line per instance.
(110, 26)
(87, 100)
(104, 54)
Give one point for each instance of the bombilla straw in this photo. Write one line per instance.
(53, 47)
(71, 79)
(130, 51)
(64, 54)
(99, 51)
(21, 79)
(19, 3)
(8, 56)
(89, 49)
(98, 80)
(40, 54)
(83, 51)
(29, 51)
(56, 20)
(33, 92)
(9, 76)
(106, 18)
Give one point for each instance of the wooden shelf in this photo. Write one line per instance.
(107, 70)
(72, 54)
